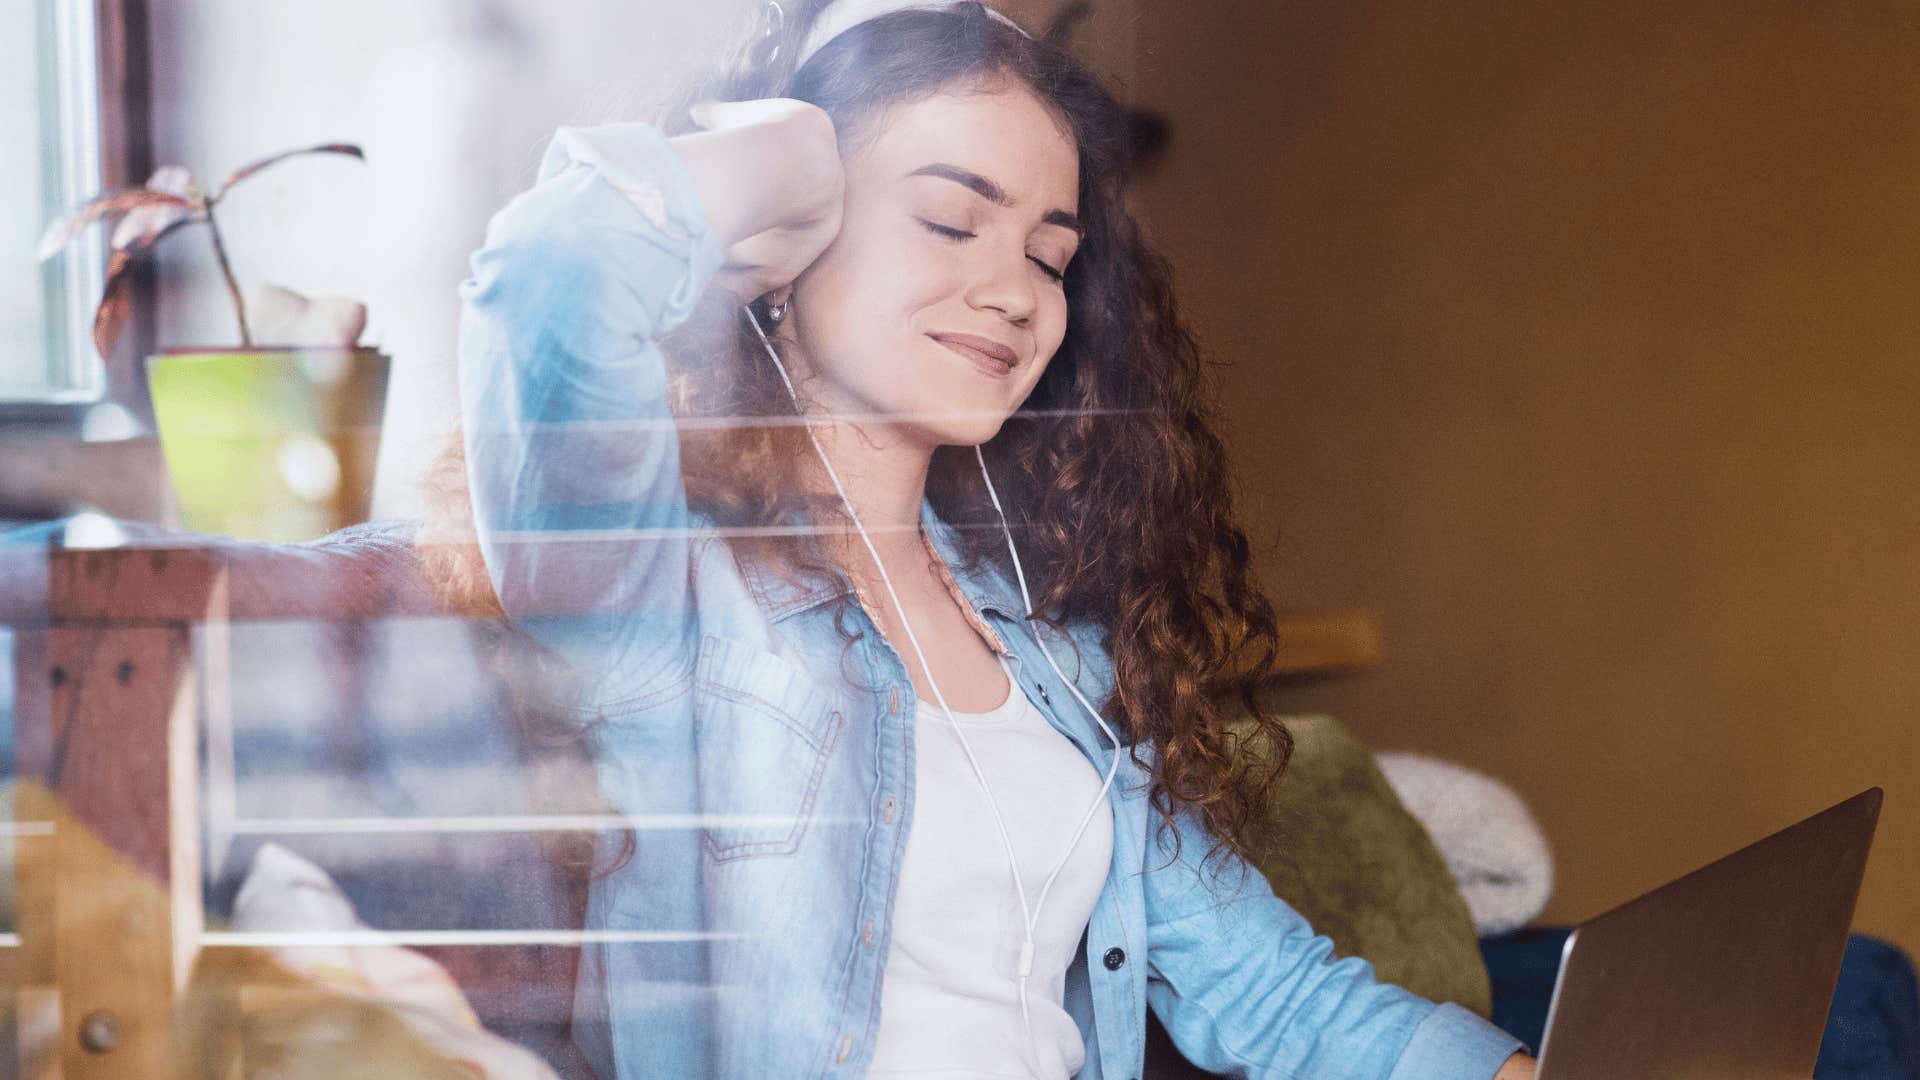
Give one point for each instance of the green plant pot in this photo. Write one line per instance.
(274, 444)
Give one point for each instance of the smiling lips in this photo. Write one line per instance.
(988, 355)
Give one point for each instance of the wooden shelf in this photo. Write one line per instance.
(1327, 643)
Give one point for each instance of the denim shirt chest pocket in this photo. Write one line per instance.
(763, 733)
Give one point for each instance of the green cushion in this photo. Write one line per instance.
(1340, 848)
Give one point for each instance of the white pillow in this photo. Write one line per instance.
(309, 927)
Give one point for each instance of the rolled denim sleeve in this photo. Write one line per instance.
(572, 456)
(1246, 988)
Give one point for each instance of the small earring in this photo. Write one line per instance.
(776, 312)
(773, 23)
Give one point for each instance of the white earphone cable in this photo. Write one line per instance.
(1030, 914)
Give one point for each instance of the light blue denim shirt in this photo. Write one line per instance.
(759, 733)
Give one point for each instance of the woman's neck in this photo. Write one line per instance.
(884, 472)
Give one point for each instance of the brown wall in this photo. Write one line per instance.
(1579, 342)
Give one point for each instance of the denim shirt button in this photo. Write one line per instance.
(886, 812)
(846, 1047)
(1043, 692)
(866, 935)
(1113, 959)
(893, 700)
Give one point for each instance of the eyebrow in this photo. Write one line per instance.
(993, 192)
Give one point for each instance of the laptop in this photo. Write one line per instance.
(1727, 972)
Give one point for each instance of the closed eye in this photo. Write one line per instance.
(951, 233)
(947, 231)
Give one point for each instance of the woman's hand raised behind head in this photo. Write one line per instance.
(770, 181)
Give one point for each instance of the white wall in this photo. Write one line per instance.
(453, 101)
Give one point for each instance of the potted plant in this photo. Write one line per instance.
(275, 439)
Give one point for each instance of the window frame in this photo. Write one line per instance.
(91, 59)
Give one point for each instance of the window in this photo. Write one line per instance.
(51, 105)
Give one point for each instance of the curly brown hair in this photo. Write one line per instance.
(1111, 472)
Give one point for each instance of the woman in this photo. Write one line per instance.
(887, 821)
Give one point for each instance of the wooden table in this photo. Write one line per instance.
(113, 679)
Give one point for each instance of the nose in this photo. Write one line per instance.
(1003, 282)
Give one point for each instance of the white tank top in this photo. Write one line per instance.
(949, 1001)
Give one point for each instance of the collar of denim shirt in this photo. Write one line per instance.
(982, 585)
